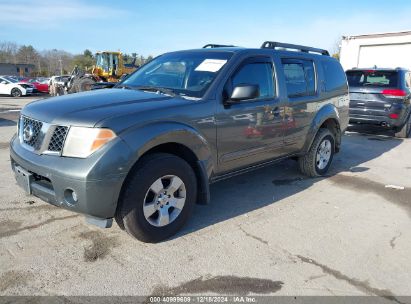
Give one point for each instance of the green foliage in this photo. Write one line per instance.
(88, 53)
(83, 62)
(54, 62)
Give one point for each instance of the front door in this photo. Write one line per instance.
(250, 131)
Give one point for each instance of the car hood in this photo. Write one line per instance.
(88, 108)
(25, 83)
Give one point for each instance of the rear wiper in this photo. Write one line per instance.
(156, 90)
(374, 83)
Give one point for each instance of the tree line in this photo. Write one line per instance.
(55, 62)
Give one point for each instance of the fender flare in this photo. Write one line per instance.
(142, 139)
(328, 111)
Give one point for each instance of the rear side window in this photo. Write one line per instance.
(299, 77)
(372, 78)
(335, 78)
(260, 74)
(408, 80)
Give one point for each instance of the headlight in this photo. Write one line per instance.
(82, 142)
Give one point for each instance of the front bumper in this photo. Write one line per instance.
(96, 180)
(26, 91)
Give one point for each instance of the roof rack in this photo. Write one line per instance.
(213, 46)
(301, 48)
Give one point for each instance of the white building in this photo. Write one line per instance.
(384, 50)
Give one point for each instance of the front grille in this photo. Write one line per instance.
(57, 140)
(32, 126)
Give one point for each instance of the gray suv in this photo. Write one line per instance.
(145, 151)
(381, 97)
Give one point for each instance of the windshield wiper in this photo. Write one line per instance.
(122, 86)
(156, 90)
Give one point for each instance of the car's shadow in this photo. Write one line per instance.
(254, 190)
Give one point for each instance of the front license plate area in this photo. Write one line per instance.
(23, 178)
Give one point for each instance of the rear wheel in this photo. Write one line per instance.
(16, 92)
(405, 130)
(158, 197)
(318, 159)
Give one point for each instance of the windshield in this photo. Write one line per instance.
(102, 60)
(11, 79)
(372, 78)
(185, 74)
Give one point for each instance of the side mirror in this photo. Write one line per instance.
(245, 92)
(3, 82)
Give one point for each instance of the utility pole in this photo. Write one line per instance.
(61, 67)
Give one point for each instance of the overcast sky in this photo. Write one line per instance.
(157, 26)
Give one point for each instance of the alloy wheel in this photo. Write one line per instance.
(164, 200)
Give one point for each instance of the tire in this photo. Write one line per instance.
(137, 197)
(16, 92)
(85, 84)
(405, 130)
(318, 159)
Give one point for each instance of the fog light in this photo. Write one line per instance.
(70, 196)
(74, 195)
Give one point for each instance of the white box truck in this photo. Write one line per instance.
(384, 50)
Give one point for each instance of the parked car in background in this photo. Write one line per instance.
(41, 85)
(11, 86)
(145, 151)
(57, 85)
(381, 97)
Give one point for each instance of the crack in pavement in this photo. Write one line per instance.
(361, 285)
(392, 241)
(32, 208)
(15, 225)
(253, 236)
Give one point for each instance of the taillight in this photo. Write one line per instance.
(394, 93)
(394, 116)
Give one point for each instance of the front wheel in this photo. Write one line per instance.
(16, 92)
(318, 159)
(157, 198)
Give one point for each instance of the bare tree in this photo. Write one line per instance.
(336, 48)
(8, 51)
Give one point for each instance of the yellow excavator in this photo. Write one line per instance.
(109, 68)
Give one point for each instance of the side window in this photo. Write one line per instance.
(299, 77)
(334, 75)
(260, 74)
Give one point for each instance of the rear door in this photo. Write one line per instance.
(300, 80)
(369, 88)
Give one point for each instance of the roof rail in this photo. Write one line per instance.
(301, 48)
(213, 46)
